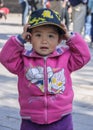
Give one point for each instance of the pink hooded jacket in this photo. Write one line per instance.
(44, 83)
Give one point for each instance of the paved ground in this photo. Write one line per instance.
(9, 107)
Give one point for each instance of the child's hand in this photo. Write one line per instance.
(26, 35)
(65, 36)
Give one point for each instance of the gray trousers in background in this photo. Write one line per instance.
(56, 5)
(78, 17)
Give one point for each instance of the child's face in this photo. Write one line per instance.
(44, 39)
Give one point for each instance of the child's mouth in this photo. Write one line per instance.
(44, 48)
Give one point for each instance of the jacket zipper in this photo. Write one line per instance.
(45, 87)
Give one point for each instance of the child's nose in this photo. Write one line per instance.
(44, 40)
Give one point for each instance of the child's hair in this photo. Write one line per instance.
(50, 26)
(45, 16)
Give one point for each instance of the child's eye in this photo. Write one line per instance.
(50, 36)
(38, 35)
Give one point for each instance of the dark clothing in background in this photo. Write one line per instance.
(75, 2)
(65, 14)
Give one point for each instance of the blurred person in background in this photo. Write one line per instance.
(25, 9)
(55, 5)
(33, 4)
(1, 3)
(79, 8)
(3, 10)
(87, 28)
(90, 9)
(64, 12)
(44, 3)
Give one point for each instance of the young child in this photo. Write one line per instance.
(44, 73)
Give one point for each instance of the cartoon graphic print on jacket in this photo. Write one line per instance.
(56, 80)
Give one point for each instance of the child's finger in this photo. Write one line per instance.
(26, 27)
(64, 27)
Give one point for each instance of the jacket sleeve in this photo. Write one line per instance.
(79, 52)
(11, 55)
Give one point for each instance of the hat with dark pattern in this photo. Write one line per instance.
(45, 16)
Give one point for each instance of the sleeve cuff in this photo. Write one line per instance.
(20, 39)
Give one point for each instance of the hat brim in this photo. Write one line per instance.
(61, 30)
